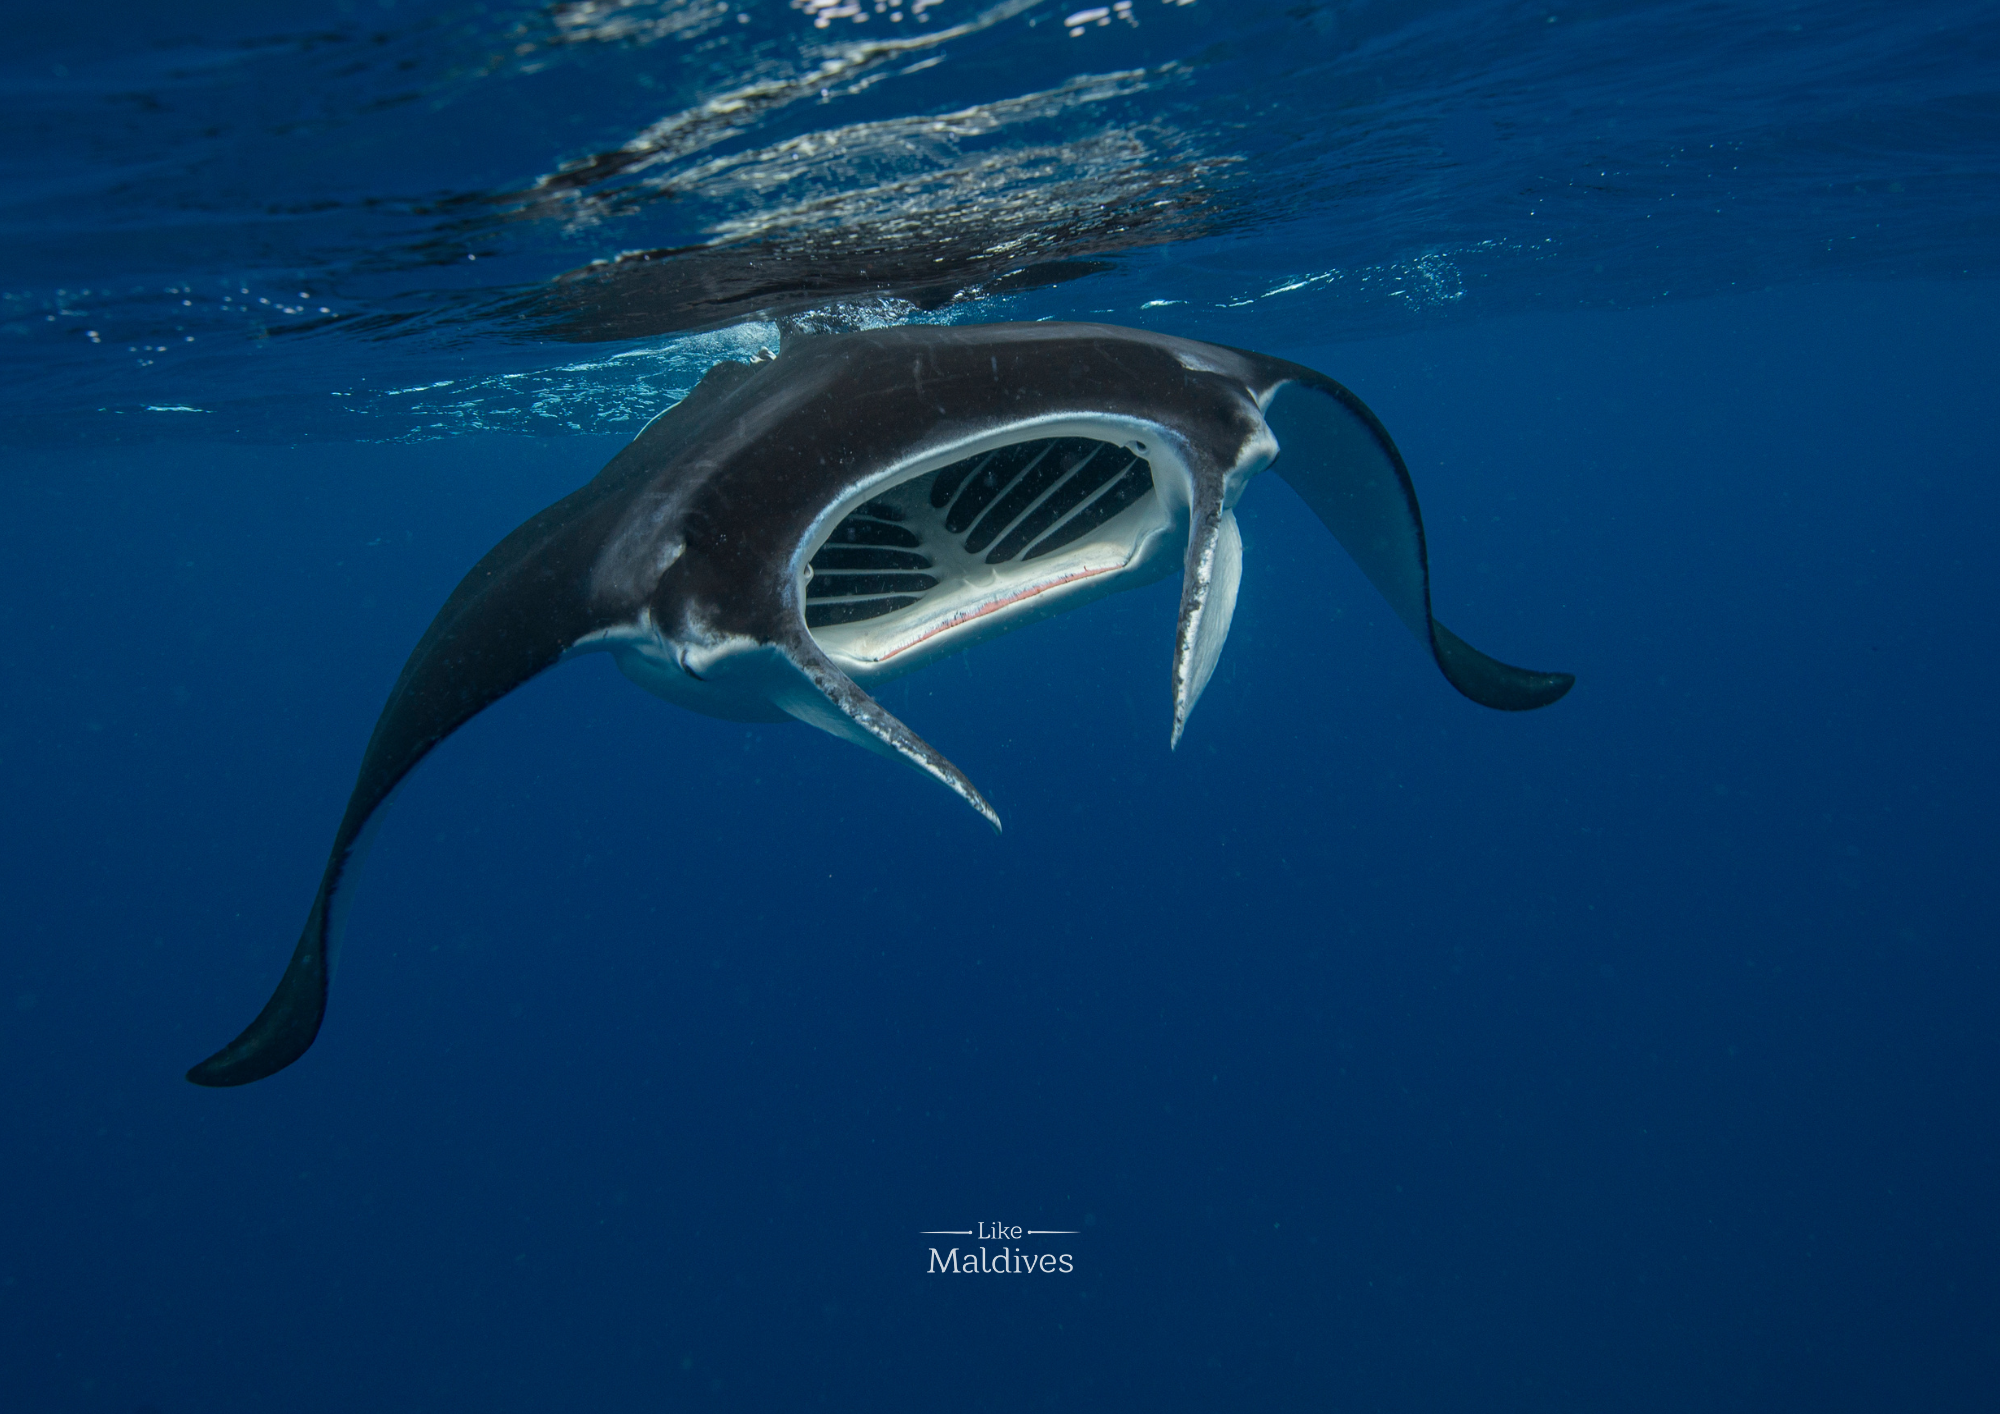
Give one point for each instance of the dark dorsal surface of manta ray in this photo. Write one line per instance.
(798, 528)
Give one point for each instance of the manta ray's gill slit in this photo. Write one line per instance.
(994, 477)
(856, 531)
(948, 479)
(1092, 472)
(1063, 456)
(1134, 484)
(897, 551)
(867, 557)
(870, 539)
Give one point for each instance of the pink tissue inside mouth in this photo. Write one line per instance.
(968, 615)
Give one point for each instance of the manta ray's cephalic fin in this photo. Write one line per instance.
(1212, 574)
(1339, 458)
(835, 703)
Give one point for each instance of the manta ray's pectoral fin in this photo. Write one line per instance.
(1337, 455)
(1214, 570)
(829, 699)
(520, 610)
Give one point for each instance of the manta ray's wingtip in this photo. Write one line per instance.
(1492, 683)
(216, 1073)
(1557, 687)
(284, 1030)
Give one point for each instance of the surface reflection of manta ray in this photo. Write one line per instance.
(864, 503)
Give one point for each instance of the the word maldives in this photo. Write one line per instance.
(1007, 1262)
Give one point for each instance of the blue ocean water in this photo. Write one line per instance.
(1373, 1051)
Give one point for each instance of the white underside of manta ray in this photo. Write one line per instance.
(799, 528)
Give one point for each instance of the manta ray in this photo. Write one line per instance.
(799, 528)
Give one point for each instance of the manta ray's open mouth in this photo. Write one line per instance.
(984, 534)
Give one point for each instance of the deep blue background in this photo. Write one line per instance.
(1389, 1053)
